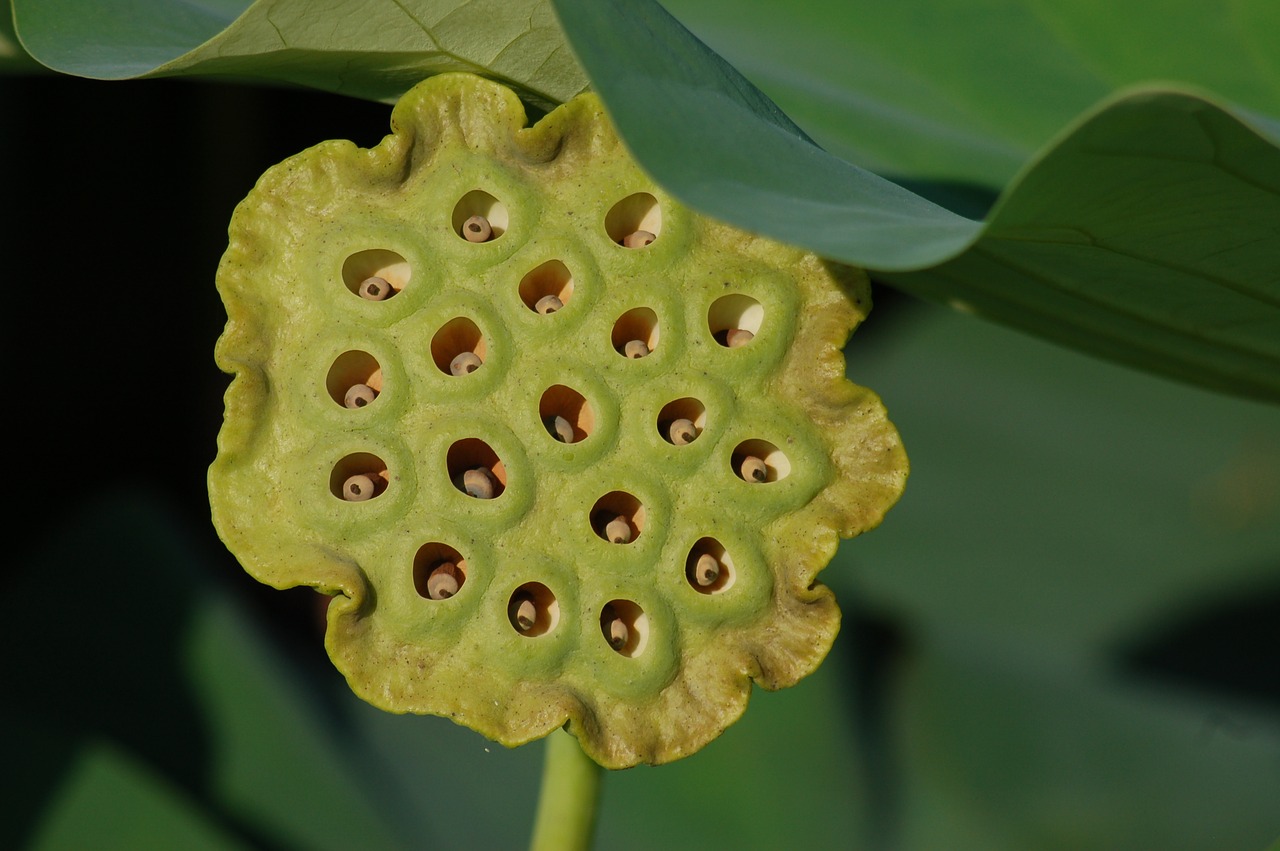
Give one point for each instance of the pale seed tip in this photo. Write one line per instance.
(635, 349)
(682, 432)
(707, 570)
(618, 634)
(639, 239)
(753, 469)
(618, 531)
(548, 304)
(559, 428)
(357, 488)
(375, 288)
(477, 229)
(359, 395)
(526, 614)
(738, 337)
(465, 363)
(443, 582)
(477, 482)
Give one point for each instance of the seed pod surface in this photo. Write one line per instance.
(514, 649)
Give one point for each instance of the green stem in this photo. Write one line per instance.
(567, 803)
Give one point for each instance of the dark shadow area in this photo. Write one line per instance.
(1227, 646)
(876, 647)
(120, 194)
(966, 199)
(95, 655)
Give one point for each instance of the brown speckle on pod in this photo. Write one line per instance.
(477, 229)
(374, 288)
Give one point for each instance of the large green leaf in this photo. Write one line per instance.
(372, 48)
(1062, 513)
(1150, 233)
(940, 90)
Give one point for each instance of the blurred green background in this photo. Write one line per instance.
(1066, 636)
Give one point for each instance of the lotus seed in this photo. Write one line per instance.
(375, 288)
(635, 349)
(706, 571)
(559, 428)
(618, 634)
(738, 337)
(477, 482)
(465, 363)
(753, 469)
(359, 395)
(525, 612)
(639, 239)
(443, 581)
(548, 304)
(477, 229)
(682, 432)
(357, 488)
(618, 531)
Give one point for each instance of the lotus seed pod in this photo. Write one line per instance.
(526, 643)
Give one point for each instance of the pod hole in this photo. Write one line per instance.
(376, 263)
(533, 610)
(358, 477)
(625, 627)
(354, 380)
(541, 289)
(477, 202)
(475, 469)
(746, 454)
(439, 571)
(458, 348)
(682, 421)
(709, 567)
(637, 325)
(618, 517)
(735, 320)
(566, 414)
(631, 221)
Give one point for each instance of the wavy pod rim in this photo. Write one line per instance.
(831, 462)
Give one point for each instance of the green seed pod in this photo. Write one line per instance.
(645, 648)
